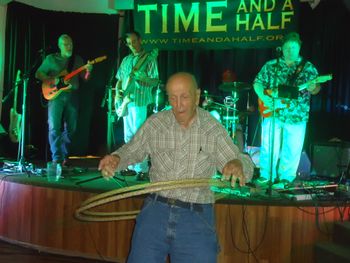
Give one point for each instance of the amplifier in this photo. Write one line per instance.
(330, 159)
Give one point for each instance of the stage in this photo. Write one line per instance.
(252, 224)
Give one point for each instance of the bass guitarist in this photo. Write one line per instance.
(137, 75)
(64, 107)
(283, 132)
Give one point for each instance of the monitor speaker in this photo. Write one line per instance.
(330, 159)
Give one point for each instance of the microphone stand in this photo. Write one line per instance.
(24, 114)
(110, 141)
(272, 133)
(272, 146)
(7, 95)
(110, 120)
(22, 166)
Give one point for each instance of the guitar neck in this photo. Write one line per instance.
(78, 70)
(74, 72)
(319, 79)
(303, 86)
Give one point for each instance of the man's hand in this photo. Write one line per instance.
(89, 67)
(118, 96)
(108, 165)
(267, 100)
(313, 88)
(233, 170)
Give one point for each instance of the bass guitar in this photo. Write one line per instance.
(15, 117)
(53, 87)
(281, 103)
(122, 103)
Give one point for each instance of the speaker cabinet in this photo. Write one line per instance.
(330, 159)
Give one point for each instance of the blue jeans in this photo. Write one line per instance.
(62, 110)
(186, 235)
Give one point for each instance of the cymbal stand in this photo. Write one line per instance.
(234, 114)
(230, 121)
(110, 120)
(156, 102)
(246, 128)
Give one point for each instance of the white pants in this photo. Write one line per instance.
(132, 122)
(288, 140)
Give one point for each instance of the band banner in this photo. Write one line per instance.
(214, 24)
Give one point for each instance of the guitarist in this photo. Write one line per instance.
(136, 76)
(65, 106)
(285, 129)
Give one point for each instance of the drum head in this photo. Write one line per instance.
(216, 115)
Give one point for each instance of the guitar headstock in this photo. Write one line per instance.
(324, 78)
(97, 60)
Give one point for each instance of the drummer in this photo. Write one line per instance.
(237, 96)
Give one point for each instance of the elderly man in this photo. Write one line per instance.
(185, 142)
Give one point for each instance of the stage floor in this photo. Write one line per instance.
(82, 175)
(41, 214)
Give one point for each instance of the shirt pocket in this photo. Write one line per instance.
(205, 158)
(163, 153)
(163, 159)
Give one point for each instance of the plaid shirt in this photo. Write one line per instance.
(178, 154)
(141, 95)
(273, 74)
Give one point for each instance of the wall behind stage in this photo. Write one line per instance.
(325, 43)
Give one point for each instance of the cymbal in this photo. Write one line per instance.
(235, 86)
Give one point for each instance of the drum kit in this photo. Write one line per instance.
(228, 112)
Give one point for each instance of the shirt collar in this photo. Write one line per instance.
(195, 123)
(297, 62)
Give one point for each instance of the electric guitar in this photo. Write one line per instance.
(281, 104)
(15, 118)
(122, 103)
(52, 88)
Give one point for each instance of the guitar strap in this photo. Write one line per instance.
(71, 63)
(140, 62)
(135, 68)
(292, 78)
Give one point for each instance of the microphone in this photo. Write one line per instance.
(278, 51)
